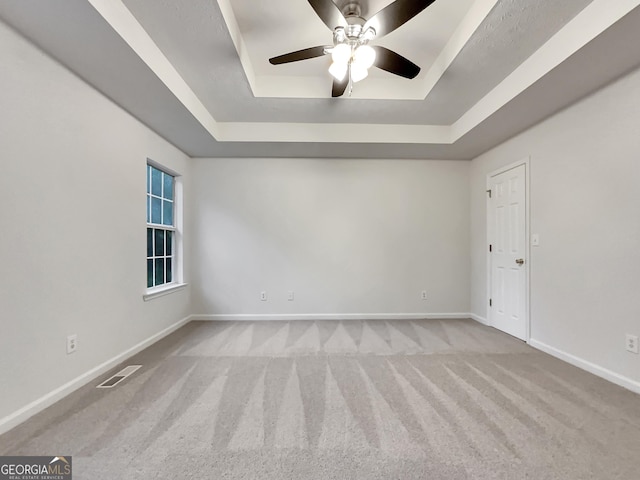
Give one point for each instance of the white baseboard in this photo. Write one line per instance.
(601, 372)
(26, 412)
(326, 316)
(479, 319)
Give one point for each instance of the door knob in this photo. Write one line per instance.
(520, 261)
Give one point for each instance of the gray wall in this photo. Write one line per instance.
(347, 236)
(72, 244)
(585, 198)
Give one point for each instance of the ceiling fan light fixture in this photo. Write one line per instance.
(358, 72)
(369, 34)
(338, 70)
(364, 56)
(339, 35)
(352, 57)
(341, 54)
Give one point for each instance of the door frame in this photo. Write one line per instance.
(527, 182)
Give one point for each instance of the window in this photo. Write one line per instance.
(161, 227)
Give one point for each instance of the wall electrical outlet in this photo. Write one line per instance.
(423, 295)
(72, 343)
(631, 343)
(263, 296)
(290, 296)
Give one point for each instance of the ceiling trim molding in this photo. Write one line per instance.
(127, 26)
(584, 27)
(471, 22)
(238, 43)
(335, 133)
(589, 23)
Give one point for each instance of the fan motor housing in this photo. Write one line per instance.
(352, 13)
(354, 31)
(351, 9)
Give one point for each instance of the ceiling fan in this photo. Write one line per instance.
(351, 53)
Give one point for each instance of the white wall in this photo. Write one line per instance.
(72, 216)
(347, 236)
(585, 204)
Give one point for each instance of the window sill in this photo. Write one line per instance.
(162, 291)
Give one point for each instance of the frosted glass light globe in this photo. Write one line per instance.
(358, 72)
(338, 70)
(364, 56)
(341, 53)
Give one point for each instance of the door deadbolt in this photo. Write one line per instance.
(520, 261)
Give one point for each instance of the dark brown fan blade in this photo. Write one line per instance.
(329, 13)
(395, 14)
(339, 86)
(395, 63)
(298, 55)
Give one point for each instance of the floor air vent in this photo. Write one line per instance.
(118, 377)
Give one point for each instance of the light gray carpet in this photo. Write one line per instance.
(428, 399)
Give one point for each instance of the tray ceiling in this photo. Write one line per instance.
(197, 72)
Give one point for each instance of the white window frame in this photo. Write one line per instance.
(177, 281)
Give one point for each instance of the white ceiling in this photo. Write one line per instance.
(197, 71)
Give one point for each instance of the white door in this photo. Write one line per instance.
(508, 246)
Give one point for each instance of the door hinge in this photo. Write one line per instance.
(490, 248)
(490, 303)
(489, 192)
